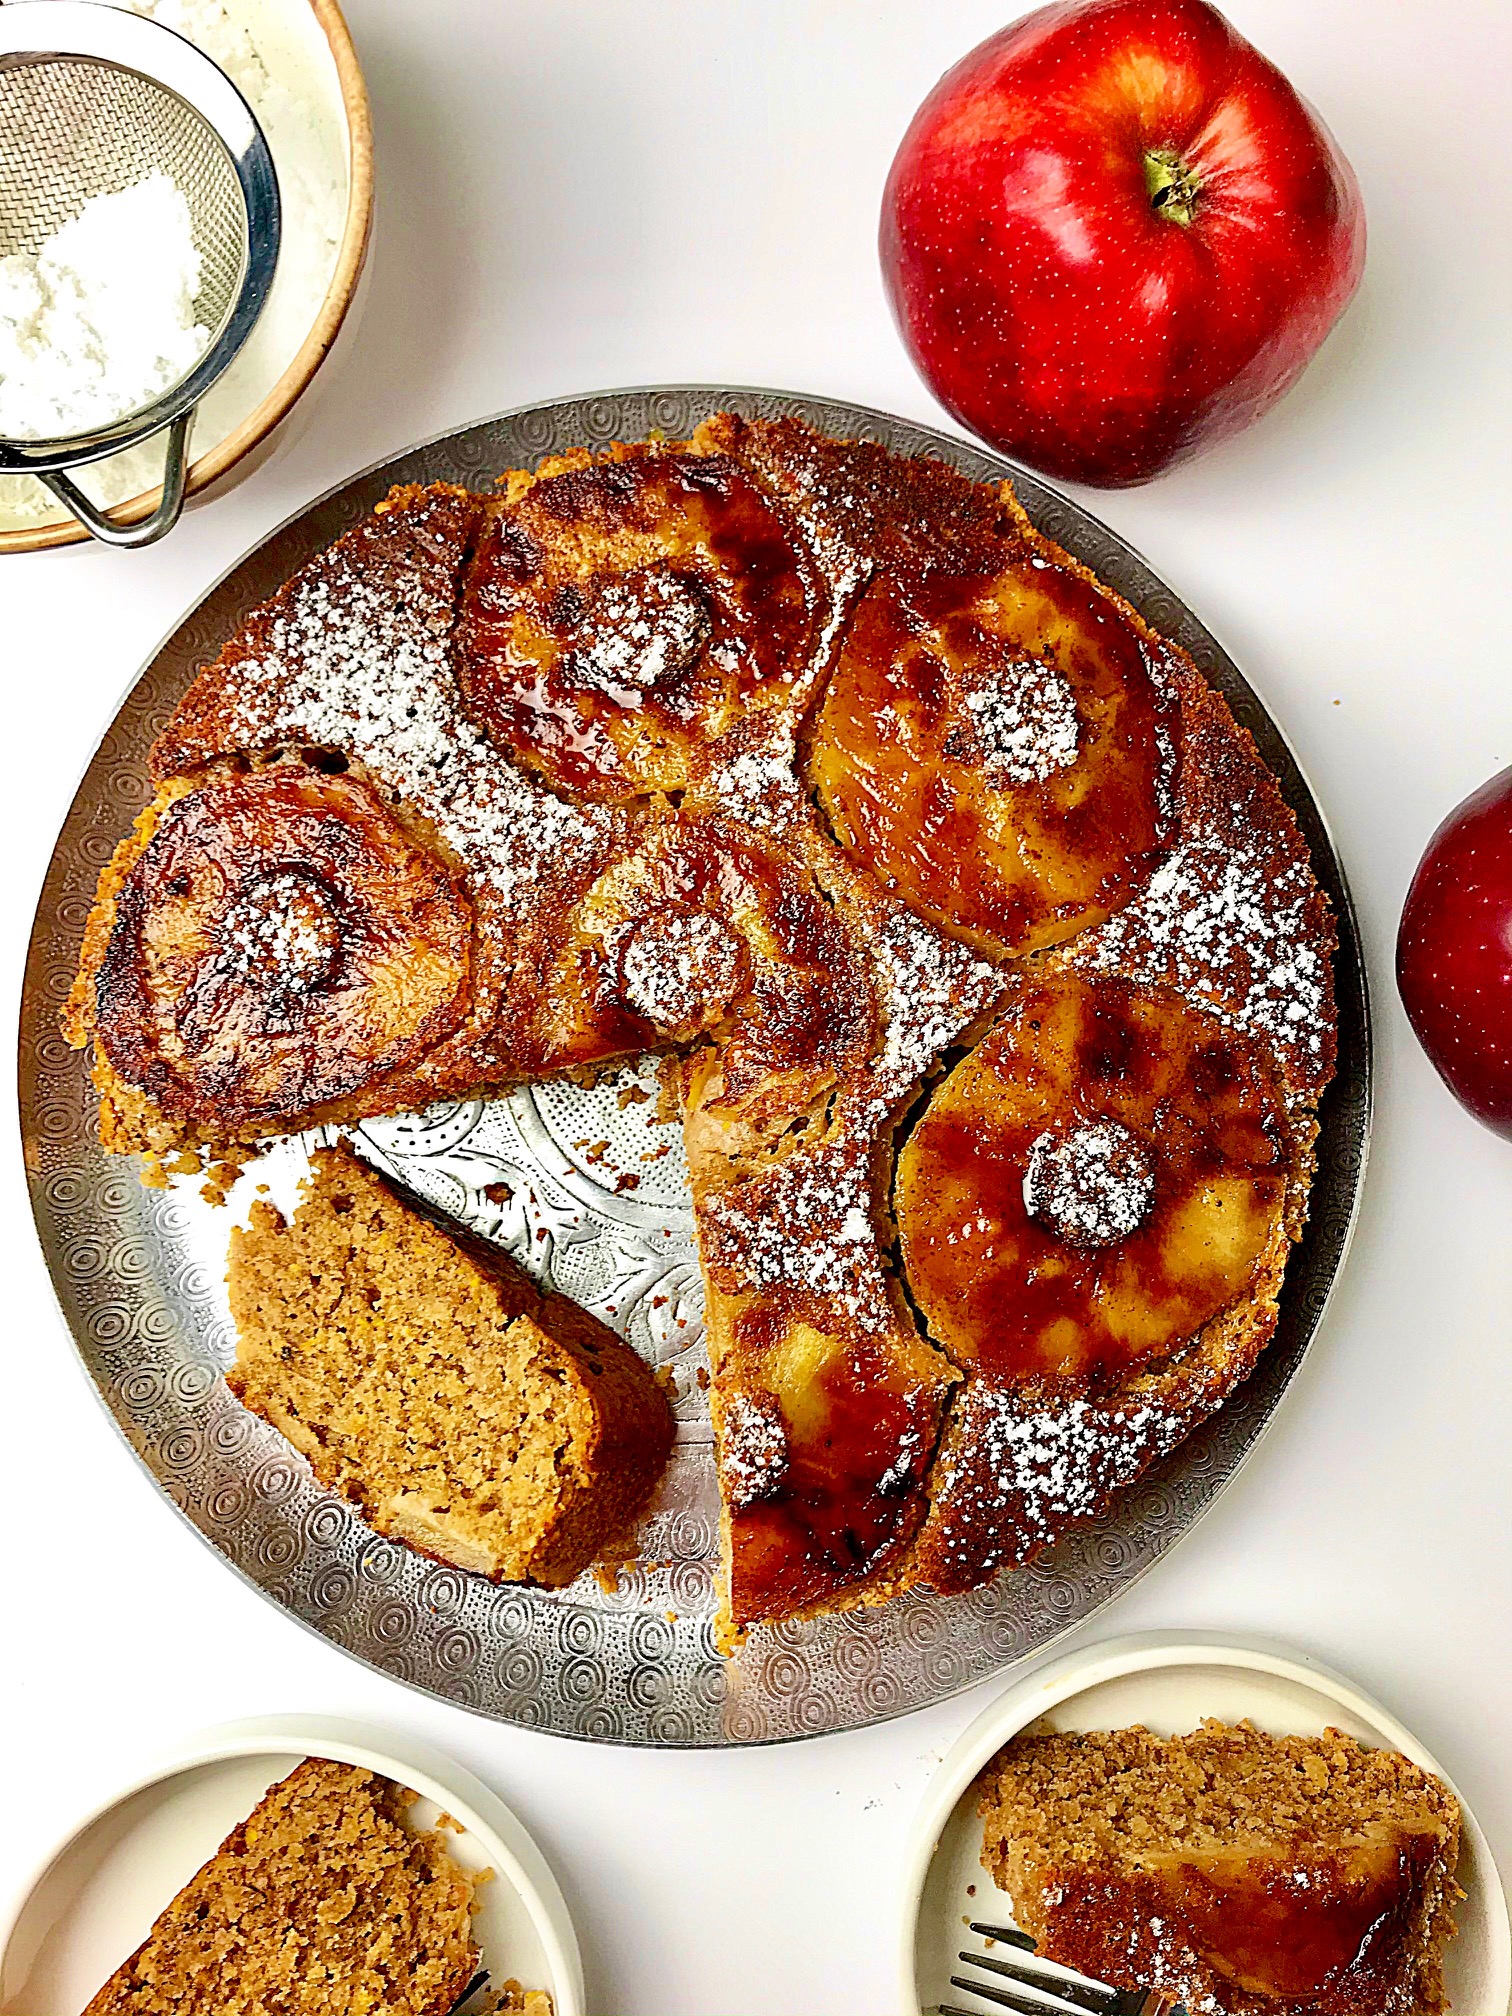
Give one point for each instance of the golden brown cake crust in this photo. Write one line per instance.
(427, 1378)
(691, 894)
(321, 1899)
(399, 569)
(1240, 1873)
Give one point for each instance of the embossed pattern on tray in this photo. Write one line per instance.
(589, 1189)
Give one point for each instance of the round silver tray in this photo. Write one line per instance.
(139, 1273)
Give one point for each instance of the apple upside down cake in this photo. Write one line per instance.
(994, 965)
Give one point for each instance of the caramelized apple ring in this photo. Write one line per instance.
(824, 1437)
(281, 943)
(996, 750)
(621, 615)
(1100, 1177)
(697, 928)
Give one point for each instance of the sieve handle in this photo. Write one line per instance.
(163, 519)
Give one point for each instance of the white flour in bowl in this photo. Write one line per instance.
(275, 53)
(100, 319)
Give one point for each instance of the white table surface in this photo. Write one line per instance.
(581, 195)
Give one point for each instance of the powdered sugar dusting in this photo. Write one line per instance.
(362, 666)
(759, 784)
(283, 932)
(1159, 664)
(806, 1225)
(932, 989)
(1021, 1471)
(639, 632)
(1024, 719)
(677, 965)
(753, 1449)
(1235, 931)
(1093, 1185)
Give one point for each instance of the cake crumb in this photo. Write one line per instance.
(326, 1866)
(1107, 1842)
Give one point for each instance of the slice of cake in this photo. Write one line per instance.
(322, 1900)
(1237, 1872)
(427, 1378)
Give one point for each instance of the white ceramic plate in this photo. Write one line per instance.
(1168, 1683)
(95, 1897)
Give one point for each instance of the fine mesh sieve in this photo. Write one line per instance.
(92, 100)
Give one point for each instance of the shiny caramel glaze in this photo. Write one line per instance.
(849, 1422)
(1283, 1927)
(281, 942)
(698, 927)
(827, 1401)
(1235, 1870)
(621, 615)
(1331, 1931)
(1009, 844)
(1015, 1292)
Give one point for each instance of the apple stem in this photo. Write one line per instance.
(1173, 187)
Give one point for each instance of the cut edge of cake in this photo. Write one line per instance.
(415, 1902)
(427, 1378)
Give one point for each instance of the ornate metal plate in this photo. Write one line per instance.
(592, 1194)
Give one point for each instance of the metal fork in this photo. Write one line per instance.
(1052, 1992)
(467, 2001)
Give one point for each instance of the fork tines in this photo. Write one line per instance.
(474, 1988)
(1034, 1993)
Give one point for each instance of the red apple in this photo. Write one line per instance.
(1114, 234)
(1454, 953)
